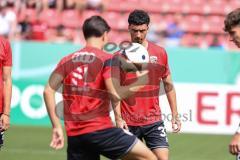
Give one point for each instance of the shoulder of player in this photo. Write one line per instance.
(4, 42)
(5, 48)
(67, 58)
(100, 55)
(156, 48)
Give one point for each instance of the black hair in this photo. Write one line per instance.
(232, 20)
(138, 17)
(95, 26)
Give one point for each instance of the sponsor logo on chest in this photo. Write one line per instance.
(153, 59)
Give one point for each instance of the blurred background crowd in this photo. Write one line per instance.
(188, 23)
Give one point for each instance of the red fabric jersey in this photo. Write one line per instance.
(38, 30)
(86, 102)
(5, 60)
(143, 107)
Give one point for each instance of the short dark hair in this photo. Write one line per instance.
(232, 20)
(138, 17)
(95, 26)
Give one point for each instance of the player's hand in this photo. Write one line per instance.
(57, 138)
(127, 65)
(176, 125)
(4, 122)
(234, 146)
(120, 123)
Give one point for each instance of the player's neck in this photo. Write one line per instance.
(96, 43)
(145, 43)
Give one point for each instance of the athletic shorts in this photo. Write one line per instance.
(112, 143)
(1, 138)
(154, 134)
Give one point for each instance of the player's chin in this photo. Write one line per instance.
(138, 41)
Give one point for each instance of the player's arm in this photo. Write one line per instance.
(171, 96)
(113, 83)
(7, 93)
(118, 117)
(120, 92)
(234, 146)
(53, 85)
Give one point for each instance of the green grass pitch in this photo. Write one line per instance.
(32, 143)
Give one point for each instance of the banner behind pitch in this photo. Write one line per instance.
(207, 84)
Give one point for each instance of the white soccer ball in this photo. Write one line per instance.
(137, 53)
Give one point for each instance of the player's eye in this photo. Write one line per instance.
(135, 31)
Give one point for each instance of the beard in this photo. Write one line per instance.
(138, 40)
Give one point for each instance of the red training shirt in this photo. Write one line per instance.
(86, 101)
(5, 60)
(143, 107)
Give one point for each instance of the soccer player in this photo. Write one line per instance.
(232, 27)
(5, 86)
(141, 112)
(85, 77)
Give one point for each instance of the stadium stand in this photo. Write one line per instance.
(201, 19)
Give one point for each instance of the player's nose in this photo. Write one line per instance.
(138, 34)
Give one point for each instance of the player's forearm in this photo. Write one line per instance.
(171, 96)
(49, 98)
(127, 91)
(119, 92)
(7, 89)
(124, 92)
(117, 110)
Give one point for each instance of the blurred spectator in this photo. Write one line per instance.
(37, 4)
(9, 3)
(174, 32)
(78, 37)
(8, 21)
(60, 35)
(216, 43)
(31, 4)
(152, 35)
(50, 3)
(17, 6)
(71, 4)
(99, 5)
(157, 33)
(53, 4)
(195, 41)
(38, 30)
(25, 28)
(198, 41)
(31, 28)
(69, 34)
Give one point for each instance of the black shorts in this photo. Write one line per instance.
(154, 134)
(1, 138)
(112, 143)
